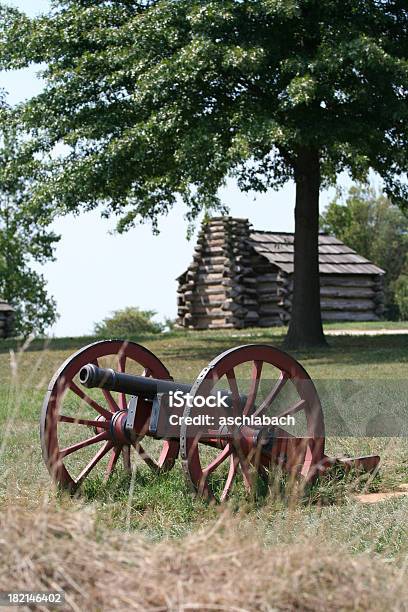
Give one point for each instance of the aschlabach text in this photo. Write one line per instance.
(233, 421)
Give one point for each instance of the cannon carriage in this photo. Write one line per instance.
(110, 402)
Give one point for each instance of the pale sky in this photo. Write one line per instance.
(96, 272)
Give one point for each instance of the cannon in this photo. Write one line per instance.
(111, 401)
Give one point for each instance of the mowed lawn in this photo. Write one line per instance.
(160, 507)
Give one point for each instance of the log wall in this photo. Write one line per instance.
(219, 288)
(352, 297)
(271, 282)
(230, 285)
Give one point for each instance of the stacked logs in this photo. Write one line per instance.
(272, 292)
(355, 297)
(352, 297)
(219, 288)
(6, 319)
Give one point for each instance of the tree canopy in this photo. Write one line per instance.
(164, 99)
(156, 99)
(24, 238)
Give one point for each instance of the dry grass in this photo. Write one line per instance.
(224, 567)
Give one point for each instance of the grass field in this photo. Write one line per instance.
(152, 525)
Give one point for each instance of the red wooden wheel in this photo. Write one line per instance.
(255, 367)
(76, 427)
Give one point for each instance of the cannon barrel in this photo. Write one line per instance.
(92, 376)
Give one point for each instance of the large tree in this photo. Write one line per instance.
(168, 98)
(24, 237)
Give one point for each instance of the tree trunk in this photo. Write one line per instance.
(305, 327)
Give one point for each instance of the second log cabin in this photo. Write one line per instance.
(6, 319)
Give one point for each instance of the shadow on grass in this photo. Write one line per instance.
(341, 350)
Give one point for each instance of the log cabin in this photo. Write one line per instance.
(241, 277)
(6, 319)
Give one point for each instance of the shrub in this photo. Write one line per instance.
(401, 296)
(128, 322)
(170, 324)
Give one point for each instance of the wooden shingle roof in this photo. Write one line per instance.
(334, 256)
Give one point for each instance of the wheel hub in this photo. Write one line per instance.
(117, 427)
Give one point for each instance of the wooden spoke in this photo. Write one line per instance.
(122, 362)
(107, 394)
(236, 400)
(122, 369)
(113, 461)
(243, 462)
(255, 380)
(282, 380)
(111, 402)
(76, 447)
(127, 464)
(146, 458)
(102, 411)
(218, 460)
(67, 419)
(101, 453)
(230, 478)
(300, 405)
